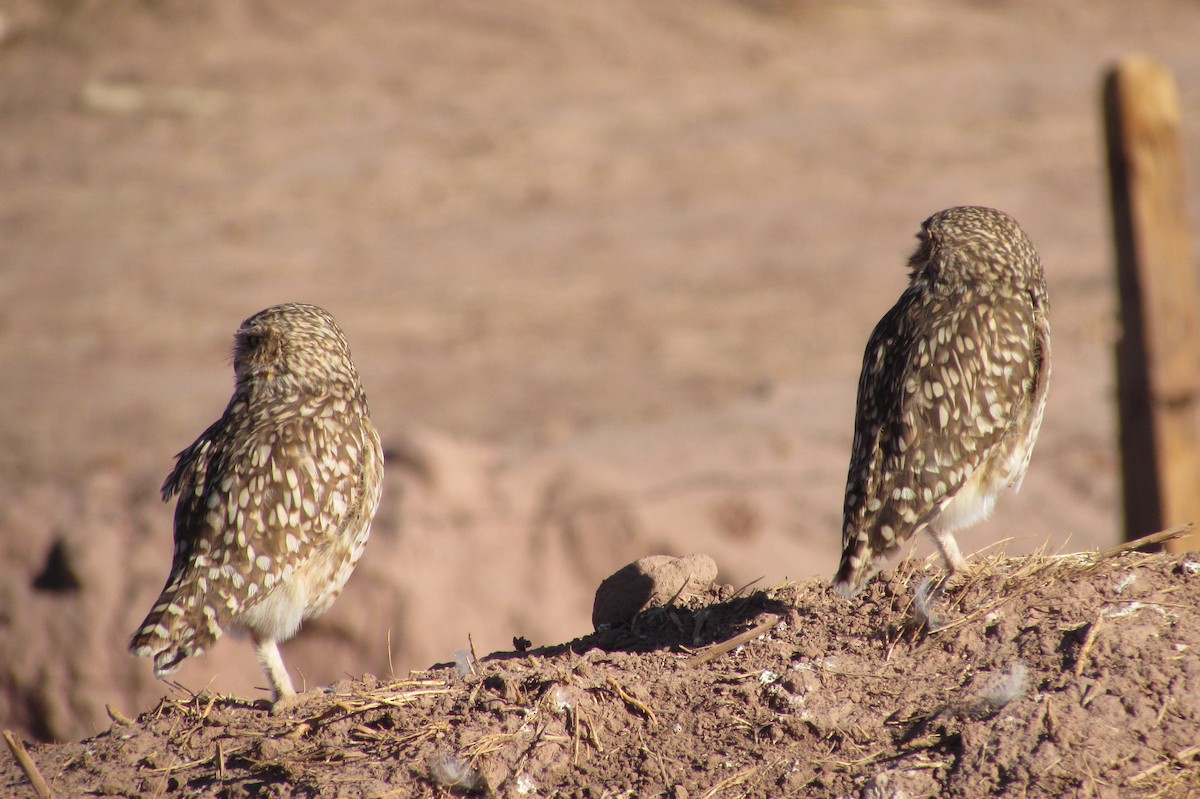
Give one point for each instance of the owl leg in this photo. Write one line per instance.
(271, 661)
(948, 547)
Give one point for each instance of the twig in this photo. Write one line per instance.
(733, 643)
(879, 755)
(1089, 641)
(575, 736)
(662, 770)
(1179, 757)
(28, 766)
(592, 737)
(474, 657)
(117, 716)
(736, 779)
(1141, 775)
(632, 701)
(1145, 541)
(377, 701)
(738, 592)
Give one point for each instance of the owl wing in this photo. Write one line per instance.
(934, 398)
(184, 621)
(190, 481)
(258, 495)
(1037, 390)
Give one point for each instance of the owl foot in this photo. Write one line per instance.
(286, 705)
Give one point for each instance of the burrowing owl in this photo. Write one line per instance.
(952, 391)
(275, 500)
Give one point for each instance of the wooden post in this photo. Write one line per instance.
(1158, 355)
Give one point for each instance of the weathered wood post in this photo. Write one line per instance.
(1158, 355)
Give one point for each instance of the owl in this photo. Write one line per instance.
(275, 498)
(952, 392)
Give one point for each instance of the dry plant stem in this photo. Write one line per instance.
(1146, 541)
(117, 716)
(739, 592)
(28, 766)
(632, 701)
(474, 657)
(1180, 757)
(733, 643)
(1089, 642)
(593, 738)
(736, 779)
(575, 738)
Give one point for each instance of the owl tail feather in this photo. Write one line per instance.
(857, 566)
(177, 627)
(847, 584)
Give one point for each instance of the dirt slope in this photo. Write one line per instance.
(607, 270)
(1039, 677)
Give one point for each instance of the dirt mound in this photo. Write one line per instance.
(622, 257)
(1074, 675)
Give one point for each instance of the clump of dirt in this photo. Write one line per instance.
(1039, 676)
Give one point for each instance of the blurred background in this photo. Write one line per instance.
(607, 270)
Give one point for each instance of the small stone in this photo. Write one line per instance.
(794, 619)
(653, 580)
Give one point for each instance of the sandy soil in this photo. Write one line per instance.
(1022, 687)
(607, 270)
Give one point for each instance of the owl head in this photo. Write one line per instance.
(292, 348)
(973, 245)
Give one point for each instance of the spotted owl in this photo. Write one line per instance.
(952, 391)
(275, 498)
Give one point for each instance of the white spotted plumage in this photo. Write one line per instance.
(952, 391)
(275, 498)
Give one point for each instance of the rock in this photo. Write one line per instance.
(652, 580)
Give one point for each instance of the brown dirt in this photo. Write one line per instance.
(607, 270)
(1026, 686)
